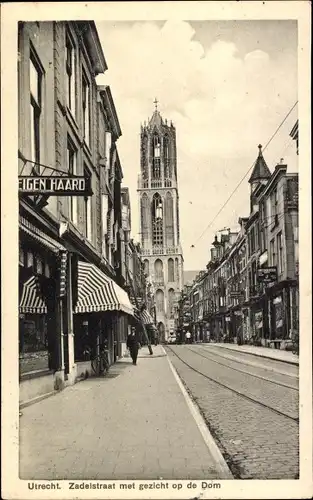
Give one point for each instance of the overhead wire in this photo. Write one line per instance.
(243, 178)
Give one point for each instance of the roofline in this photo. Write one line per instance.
(98, 59)
(278, 172)
(106, 94)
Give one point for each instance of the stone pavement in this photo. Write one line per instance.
(266, 352)
(134, 423)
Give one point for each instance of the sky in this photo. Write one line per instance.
(227, 86)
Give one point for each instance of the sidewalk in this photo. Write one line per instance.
(265, 352)
(134, 423)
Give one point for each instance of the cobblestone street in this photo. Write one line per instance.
(257, 429)
(133, 424)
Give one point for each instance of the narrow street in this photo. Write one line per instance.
(134, 423)
(250, 405)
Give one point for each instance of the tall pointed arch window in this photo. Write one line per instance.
(145, 215)
(156, 157)
(169, 219)
(144, 156)
(171, 273)
(167, 157)
(159, 300)
(157, 220)
(158, 270)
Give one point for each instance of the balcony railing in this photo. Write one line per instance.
(154, 183)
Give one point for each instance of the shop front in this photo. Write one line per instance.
(101, 316)
(283, 310)
(42, 260)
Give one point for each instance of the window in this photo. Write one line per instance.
(86, 108)
(272, 252)
(157, 220)
(39, 265)
(70, 75)
(156, 168)
(274, 205)
(21, 256)
(72, 169)
(35, 80)
(87, 209)
(171, 274)
(280, 257)
(30, 259)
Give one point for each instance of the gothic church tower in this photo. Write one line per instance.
(159, 218)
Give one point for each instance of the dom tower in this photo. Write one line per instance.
(159, 218)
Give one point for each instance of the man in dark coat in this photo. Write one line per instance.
(133, 344)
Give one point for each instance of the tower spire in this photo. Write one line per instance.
(156, 102)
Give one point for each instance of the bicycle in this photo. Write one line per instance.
(100, 363)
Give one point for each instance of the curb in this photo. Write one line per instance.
(217, 456)
(295, 363)
(37, 399)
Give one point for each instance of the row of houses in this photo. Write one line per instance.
(81, 277)
(249, 292)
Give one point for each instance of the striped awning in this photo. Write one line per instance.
(97, 292)
(36, 234)
(31, 302)
(144, 317)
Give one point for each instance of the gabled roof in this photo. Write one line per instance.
(260, 170)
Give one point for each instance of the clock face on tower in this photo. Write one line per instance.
(159, 216)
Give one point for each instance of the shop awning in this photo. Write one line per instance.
(97, 292)
(31, 302)
(40, 237)
(144, 317)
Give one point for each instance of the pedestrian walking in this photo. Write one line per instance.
(188, 337)
(133, 344)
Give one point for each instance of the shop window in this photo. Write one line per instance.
(47, 270)
(35, 77)
(86, 107)
(70, 74)
(21, 256)
(39, 265)
(30, 259)
(72, 169)
(33, 343)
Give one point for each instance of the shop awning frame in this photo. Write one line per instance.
(40, 237)
(99, 293)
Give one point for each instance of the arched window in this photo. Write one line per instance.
(159, 300)
(171, 275)
(146, 267)
(176, 269)
(145, 216)
(169, 219)
(144, 156)
(158, 270)
(156, 156)
(171, 302)
(157, 220)
(167, 157)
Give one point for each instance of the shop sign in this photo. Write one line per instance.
(263, 258)
(55, 186)
(171, 324)
(235, 295)
(267, 274)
